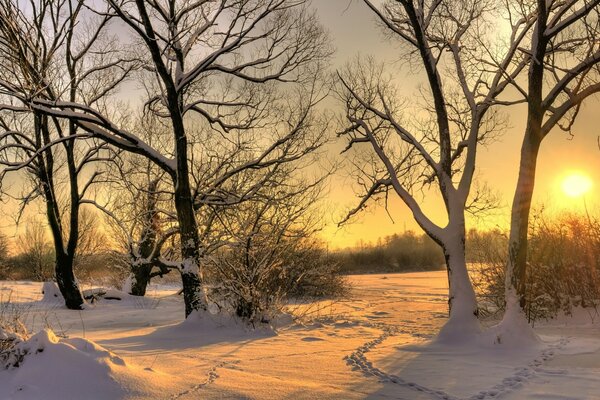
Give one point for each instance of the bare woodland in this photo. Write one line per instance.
(197, 132)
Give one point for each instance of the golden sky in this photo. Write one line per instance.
(355, 31)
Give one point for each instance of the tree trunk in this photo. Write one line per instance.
(190, 243)
(66, 282)
(192, 287)
(63, 257)
(141, 274)
(516, 269)
(514, 328)
(188, 227)
(463, 322)
(140, 280)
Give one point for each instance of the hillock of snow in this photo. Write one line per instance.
(48, 367)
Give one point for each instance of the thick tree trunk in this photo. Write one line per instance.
(192, 287)
(140, 278)
(184, 205)
(463, 322)
(514, 328)
(190, 244)
(191, 276)
(462, 301)
(516, 268)
(67, 283)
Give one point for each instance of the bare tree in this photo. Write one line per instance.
(57, 51)
(225, 175)
(142, 272)
(270, 250)
(220, 63)
(139, 208)
(563, 72)
(432, 145)
(35, 247)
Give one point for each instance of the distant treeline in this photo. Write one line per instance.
(403, 252)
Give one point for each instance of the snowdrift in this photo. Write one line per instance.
(56, 368)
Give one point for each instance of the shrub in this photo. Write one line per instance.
(396, 253)
(12, 333)
(256, 279)
(563, 266)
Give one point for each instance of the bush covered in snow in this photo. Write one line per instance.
(11, 354)
(256, 280)
(272, 255)
(12, 333)
(564, 258)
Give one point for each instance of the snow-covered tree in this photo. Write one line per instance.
(226, 175)
(563, 72)
(56, 51)
(216, 66)
(431, 142)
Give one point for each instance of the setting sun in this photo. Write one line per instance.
(576, 184)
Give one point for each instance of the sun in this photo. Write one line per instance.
(576, 184)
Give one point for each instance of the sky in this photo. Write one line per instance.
(354, 31)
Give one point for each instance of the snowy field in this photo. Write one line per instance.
(373, 344)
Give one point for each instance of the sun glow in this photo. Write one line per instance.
(576, 184)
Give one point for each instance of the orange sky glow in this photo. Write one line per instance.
(354, 31)
(497, 163)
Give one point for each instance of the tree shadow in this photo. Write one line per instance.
(429, 370)
(195, 332)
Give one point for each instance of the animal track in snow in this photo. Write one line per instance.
(358, 361)
(523, 374)
(212, 375)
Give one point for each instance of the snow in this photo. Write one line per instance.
(128, 284)
(51, 292)
(513, 331)
(74, 369)
(379, 343)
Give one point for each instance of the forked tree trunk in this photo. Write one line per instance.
(463, 321)
(141, 274)
(514, 327)
(64, 257)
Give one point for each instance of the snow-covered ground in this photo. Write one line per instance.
(372, 345)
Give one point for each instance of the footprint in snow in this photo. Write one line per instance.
(312, 339)
(381, 313)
